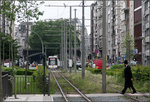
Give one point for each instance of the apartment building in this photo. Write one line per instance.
(96, 27)
(146, 32)
(138, 29)
(21, 35)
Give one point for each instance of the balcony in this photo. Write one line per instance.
(147, 53)
(147, 25)
(147, 39)
(146, 12)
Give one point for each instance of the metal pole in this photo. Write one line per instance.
(1, 93)
(75, 49)
(3, 52)
(62, 51)
(104, 49)
(27, 46)
(44, 72)
(83, 43)
(70, 41)
(129, 51)
(65, 56)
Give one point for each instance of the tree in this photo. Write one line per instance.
(129, 46)
(50, 32)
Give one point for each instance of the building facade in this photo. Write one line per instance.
(21, 35)
(119, 23)
(146, 32)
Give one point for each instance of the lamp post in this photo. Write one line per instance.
(43, 57)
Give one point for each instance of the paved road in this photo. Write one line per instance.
(108, 97)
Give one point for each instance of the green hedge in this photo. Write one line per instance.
(19, 71)
(22, 71)
(117, 66)
(139, 72)
(94, 71)
(7, 69)
(38, 78)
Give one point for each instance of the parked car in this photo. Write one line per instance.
(7, 63)
(98, 63)
(78, 64)
(133, 63)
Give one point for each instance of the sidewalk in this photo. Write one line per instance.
(107, 97)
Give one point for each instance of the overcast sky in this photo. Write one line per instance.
(62, 12)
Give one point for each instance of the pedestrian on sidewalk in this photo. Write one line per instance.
(128, 78)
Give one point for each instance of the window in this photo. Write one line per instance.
(146, 5)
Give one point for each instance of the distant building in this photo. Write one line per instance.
(138, 29)
(145, 32)
(21, 36)
(5, 24)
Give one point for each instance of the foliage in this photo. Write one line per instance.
(28, 8)
(141, 73)
(38, 78)
(7, 69)
(8, 41)
(50, 33)
(117, 66)
(94, 71)
(22, 71)
(128, 44)
(19, 71)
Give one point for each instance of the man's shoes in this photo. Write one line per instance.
(121, 93)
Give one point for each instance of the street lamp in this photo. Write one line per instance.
(43, 57)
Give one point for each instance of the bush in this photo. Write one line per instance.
(22, 71)
(7, 69)
(141, 73)
(38, 78)
(94, 71)
(117, 66)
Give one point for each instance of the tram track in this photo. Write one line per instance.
(128, 96)
(64, 95)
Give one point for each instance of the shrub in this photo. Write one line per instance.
(117, 66)
(141, 73)
(7, 69)
(94, 71)
(21, 71)
(38, 78)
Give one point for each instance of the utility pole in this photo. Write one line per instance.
(75, 42)
(83, 43)
(104, 49)
(70, 41)
(27, 53)
(1, 93)
(65, 55)
(62, 47)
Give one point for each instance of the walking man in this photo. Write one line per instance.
(128, 78)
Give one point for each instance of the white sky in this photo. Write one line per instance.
(62, 12)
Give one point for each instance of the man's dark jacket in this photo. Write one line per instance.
(128, 76)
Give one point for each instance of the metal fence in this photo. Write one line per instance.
(7, 85)
(30, 85)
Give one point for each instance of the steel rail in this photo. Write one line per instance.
(84, 96)
(60, 88)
